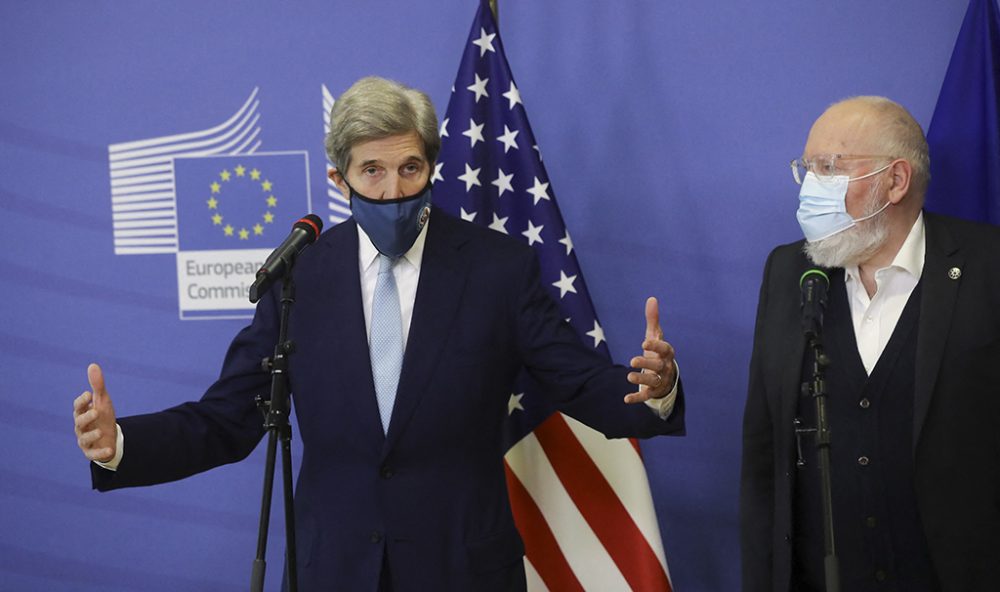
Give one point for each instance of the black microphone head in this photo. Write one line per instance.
(312, 224)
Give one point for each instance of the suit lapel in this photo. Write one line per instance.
(439, 292)
(937, 304)
(346, 326)
(793, 344)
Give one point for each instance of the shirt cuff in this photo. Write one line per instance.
(112, 465)
(664, 406)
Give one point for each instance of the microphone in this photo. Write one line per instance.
(304, 233)
(814, 285)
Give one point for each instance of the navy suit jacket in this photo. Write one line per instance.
(431, 493)
(956, 411)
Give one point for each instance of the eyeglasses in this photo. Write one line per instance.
(827, 165)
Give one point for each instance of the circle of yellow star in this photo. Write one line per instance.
(213, 203)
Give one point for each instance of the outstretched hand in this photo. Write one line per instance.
(94, 419)
(657, 372)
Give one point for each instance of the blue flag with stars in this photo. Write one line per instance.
(964, 134)
(239, 202)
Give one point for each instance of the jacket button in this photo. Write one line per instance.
(864, 403)
(863, 461)
(376, 536)
(870, 522)
(880, 575)
(386, 472)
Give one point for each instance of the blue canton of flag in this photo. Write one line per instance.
(491, 173)
(580, 501)
(239, 202)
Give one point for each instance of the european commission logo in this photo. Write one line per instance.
(231, 212)
(212, 199)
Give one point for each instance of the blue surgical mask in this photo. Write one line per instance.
(392, 224)
(823, 205)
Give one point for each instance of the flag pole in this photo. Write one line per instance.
(493, 9)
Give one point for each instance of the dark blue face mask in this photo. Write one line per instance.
(392, 224)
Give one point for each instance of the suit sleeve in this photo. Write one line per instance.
(757, 471)
(223, 427)
(579, 380)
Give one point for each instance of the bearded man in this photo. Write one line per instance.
(912, 337)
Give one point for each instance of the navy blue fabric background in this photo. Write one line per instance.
(666, 127)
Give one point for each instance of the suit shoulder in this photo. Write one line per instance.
(966, 229)
(789, 252)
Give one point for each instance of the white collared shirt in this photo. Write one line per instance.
(406, 271)
(875, 318)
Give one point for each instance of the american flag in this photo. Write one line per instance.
(581, 502)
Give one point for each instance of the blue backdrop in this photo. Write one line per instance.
(667, 128)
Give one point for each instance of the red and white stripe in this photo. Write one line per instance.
(583, 507)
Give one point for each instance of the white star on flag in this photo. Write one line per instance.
(565, 283)
(498, 224)
(540, 190)
(444, 128)
(437, 172)
(471, 177)
(485, 42)
(514, 403)
(566, 240)
(508, 139)
(533, 233)
(513, 96)
(503, 182)
(467, 216)
(597, 333)
(479, 87)
(474, 133)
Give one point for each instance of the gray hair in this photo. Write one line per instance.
(899, 135)
(375, 108)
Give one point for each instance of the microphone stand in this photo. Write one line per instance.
(815, 386)
(276, 411)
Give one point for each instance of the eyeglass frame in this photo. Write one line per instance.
(807, 163)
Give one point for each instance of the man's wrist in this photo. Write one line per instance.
(114, 461)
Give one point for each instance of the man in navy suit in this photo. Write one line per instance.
(402, 483)
(912, 334)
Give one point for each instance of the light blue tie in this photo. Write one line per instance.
(386, 342)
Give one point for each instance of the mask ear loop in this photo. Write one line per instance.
(887, 203)
(876, 213)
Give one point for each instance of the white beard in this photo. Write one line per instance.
(858, 243)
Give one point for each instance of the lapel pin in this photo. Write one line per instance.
(954, 273)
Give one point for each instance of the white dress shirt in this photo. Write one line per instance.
(875, 318)
(406, 271)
